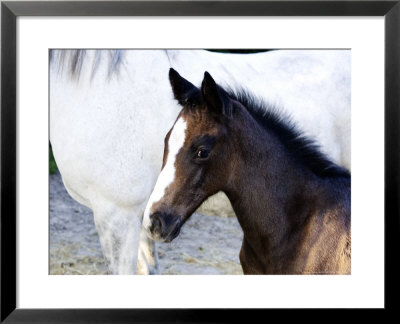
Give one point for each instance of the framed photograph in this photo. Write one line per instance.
(44, 42)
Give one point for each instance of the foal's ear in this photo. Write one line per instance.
(216, 98)
(184, 91)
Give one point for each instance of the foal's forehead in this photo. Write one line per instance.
(198, 120)
(178, 131)
(189, 125)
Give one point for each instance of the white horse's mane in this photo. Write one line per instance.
(72, 60)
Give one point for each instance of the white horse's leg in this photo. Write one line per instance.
(119, 233)
(147, 258)
(125, 245)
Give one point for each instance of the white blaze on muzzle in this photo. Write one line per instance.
(167, 175)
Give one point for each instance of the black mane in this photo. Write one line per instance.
(305, 150)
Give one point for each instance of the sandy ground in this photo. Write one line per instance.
(206, 245)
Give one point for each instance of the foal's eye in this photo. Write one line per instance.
(202, 153)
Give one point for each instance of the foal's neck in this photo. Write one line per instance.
(271, 193)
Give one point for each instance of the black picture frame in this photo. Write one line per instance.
(11, 10)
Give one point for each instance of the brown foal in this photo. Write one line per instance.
(292, 203)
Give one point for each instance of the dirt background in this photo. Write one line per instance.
(206, 244)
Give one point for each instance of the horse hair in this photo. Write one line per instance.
(305, 150)
(74, 59)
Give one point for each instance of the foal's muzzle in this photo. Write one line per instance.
(164, 227)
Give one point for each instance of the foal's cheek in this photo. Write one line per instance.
(198, 178)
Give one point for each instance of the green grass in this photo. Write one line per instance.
(52, 162)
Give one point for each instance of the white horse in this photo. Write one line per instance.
(110, 111)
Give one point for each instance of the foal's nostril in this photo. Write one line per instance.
(164, 226)
(156, 223)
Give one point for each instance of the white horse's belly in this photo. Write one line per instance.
(104, 143)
